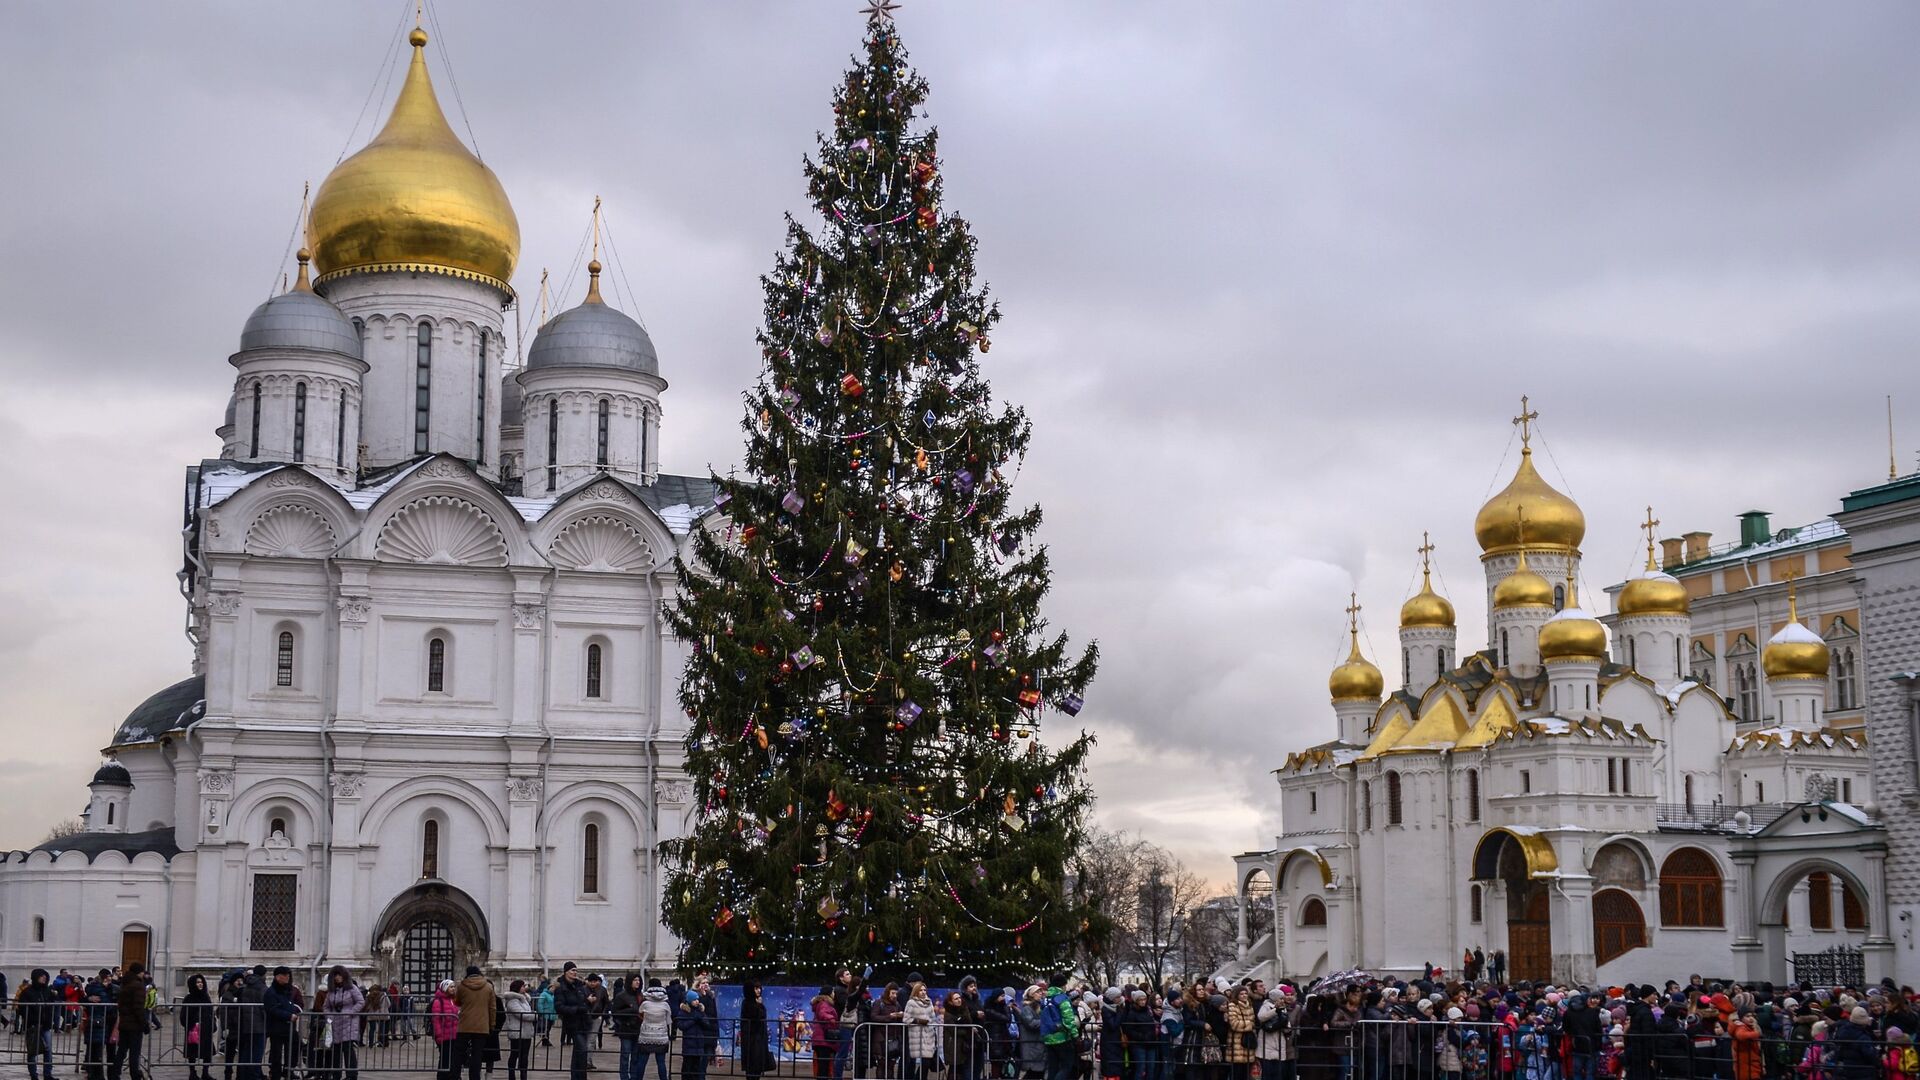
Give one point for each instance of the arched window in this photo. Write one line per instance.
(1679, 669)
(422, 385)
(436, 665)
(1506, 650)
(1690, 889)
(39, 929)
(643, 440)
(1686, 792)
(1475, 911)
(283, 660)
(600, 452)
(109, 813)
(1853, 913)
(553, 445)
(1559, 597)
(1440, 663)
(253, 440)
(1618, 925)
(480, 406)
(1406, 666)
(1366, 804)
(590, 859)
(1313, 912)
(1473, 794)
(430, 848)
(340, 434)
(300, 421)
(1393, 798)
(1820, 900)
(278, 825)
(593, 671)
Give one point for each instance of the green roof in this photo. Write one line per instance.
(1893, 491)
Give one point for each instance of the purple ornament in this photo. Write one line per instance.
(721, 499)
(963, 481)
(992, 654)
(1072, 704)
(1008, 542)
(804, 659)
(908, 712)
(793, 503)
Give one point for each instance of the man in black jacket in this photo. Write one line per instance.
(40, 1009)
(278, 1004)
(1582, 1026)
(578, 1008)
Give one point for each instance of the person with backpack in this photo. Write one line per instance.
(1060, 1030)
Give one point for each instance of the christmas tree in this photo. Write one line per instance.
(869, 666)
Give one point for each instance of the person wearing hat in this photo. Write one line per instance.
(1854, 1055)
(478, 1003)
(577, 1007)
(700, 1035)
(279, 1007)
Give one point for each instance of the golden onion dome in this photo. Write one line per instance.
(1553, 521)
(1426, 607)
(1522, 588)
(415, 198)
(1654, 593)
(1357, 679)
(1572, 634)
(1795, 652)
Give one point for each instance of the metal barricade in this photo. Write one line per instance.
(904, 1051)
(1412, 1048)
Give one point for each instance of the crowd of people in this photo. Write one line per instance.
(256, 1024)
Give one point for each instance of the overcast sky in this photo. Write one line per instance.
(1274, 278)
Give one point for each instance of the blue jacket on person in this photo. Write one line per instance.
(280, 1008)
(699, 1029)
(1855, 1056)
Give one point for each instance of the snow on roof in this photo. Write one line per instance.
(1796, 633)
(1681, 687)
(1816, 532)
(1551, 725)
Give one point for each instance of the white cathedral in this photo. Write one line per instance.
(430, 720)
(1595, 814)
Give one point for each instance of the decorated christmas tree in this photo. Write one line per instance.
(870, 668)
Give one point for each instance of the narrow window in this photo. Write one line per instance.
(273, 911)
(1526, 781)
(480, 406)
(1686, 792)
(283, 666)
(590, 860)
(422, 385)
(1406, 667)
(643, 441)
(340, 435)
(1313, 802)
(1366, 805)
(253, 441)
(430, 849)
(1820, 900)
(1633, 655)
(1473, 794)
(1506, 652)
(109, 813)
(1440, 656)
(1677, 669)
(437, 665)
(1613, 778)
(1846, 789)
(553, 445)
(277, 825)
(593, 671)
(600, 456)
(1473, 904)
(300, 421)
(1759, 791)
(39, 929)
(1587, 693)
(1559, 597)
(1626, 776)
(1393, 798)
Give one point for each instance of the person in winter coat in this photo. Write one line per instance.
(1241, 1040)
(478, 1004)
(521, 1023)
(1273, 1023)
(922, 1039)
(578, 1006)
(823, 1032)
(1140, 1033)
(130, 1008)
(624, 1012)
(340, 1004)
(199, 1027)
(1641, 1029)
(699, 1036)
(885, 1046)
(279, 1009)
(755, 1038)
(443, 1022)
(1851, 1044)
(38, 1009)
(99, 1022)
(1748, 1062)
(1030, 1054)
(373, 1030)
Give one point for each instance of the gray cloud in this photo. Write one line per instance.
(1274, 278)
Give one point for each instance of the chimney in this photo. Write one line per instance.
(1696, 543)
(1754, 528)
(1670, 556)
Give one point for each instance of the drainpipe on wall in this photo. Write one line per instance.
(331, 621)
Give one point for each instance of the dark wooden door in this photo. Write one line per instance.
(133, 948)
(1530, 938)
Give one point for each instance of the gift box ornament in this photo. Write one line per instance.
(991, 654)
(1029, 698)
(1072, 704)
(805, 658)
(855, 551)
(963, 481)
(908, 712)
(825, 336)
(1008, 542)
(850, 385)
(721, 499)
(793, 502)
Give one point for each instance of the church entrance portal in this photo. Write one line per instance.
(1519, 861)
(429, 933)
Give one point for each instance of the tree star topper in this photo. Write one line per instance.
(878, 11)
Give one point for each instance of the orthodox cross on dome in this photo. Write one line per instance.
(1525, 420)
(1649, 525)
(593, 267)
(1426, 552)
(1790, 575)
(879, 11)
(1353, 615)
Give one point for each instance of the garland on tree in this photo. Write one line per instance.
(869, 665)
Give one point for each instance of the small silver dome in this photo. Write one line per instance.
(593, 335)
(300, 320)
(512, 400)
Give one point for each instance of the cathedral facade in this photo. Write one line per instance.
(1575, 793)
(430, 719)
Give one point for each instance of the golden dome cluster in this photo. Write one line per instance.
(415, 198)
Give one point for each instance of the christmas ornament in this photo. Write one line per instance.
(1029, 698)
(851, 386)
(804, 658)
(927, 217)
(1072, 704)
(793, 502)
(908, 712)
(855, 551)
(1008, 542)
